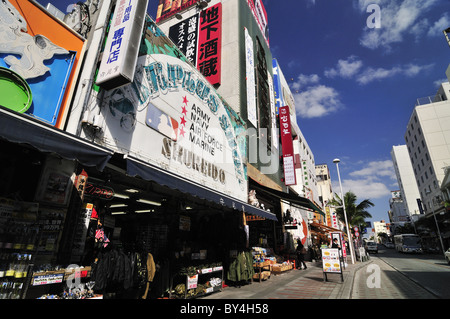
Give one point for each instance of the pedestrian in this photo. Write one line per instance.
(335, 244)
(300, 251)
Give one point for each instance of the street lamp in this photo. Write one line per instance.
(435, 220)
(350, 240)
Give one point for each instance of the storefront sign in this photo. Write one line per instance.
(199, 37)
(287, 146)
(172, 117)
(99, 191)
(331, 262)
(118, 62)
(252, 218)
(192, 282)
(168, 8)
(48, 279)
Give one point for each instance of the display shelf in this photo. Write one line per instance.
(58, 276)
(191, 283)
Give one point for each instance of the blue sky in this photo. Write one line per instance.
(355, 87)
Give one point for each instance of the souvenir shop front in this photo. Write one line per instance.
(37, 165)
(70, 208)
(175, 239)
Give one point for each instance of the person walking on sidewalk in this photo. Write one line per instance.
(301, 252)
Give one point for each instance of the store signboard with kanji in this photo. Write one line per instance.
(199, 37)
(171, 117)
(119, 58)
(287, 146)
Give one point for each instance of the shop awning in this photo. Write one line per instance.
(289, 197)
(18, 128)
(136, 167)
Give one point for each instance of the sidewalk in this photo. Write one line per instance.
(296, 284)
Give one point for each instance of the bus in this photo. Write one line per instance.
(408, 243)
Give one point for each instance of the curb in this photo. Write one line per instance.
(346, 291)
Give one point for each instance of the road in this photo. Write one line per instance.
(430, 271)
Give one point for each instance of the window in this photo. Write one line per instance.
(431, 170)
(426, 156)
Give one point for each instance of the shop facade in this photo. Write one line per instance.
(148, 192)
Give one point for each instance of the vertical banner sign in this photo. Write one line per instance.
(199, 37)
(250, 76)
(328, 214)
(121, 50)
(185, 35)
(210, 43)
(273, 112)
(260, 15)
(287, 146)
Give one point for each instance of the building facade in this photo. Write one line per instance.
(428, 141)
(409, 192)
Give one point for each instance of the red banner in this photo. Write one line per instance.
(210, 43)
(287, 146)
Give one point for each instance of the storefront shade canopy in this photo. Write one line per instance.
(18, 128)
(135, 167)
(289, 197)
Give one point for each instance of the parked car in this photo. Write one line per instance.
(372, 247)
(389, 245)
(447, 256)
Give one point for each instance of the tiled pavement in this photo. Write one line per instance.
(295, 284)
(360, 282)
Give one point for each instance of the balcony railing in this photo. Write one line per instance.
(430, 99)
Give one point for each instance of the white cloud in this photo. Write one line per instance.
(398, 19)
(437, 28)
(345, 68)
(371, 74)
(438, 83)
(365, 189)
(304, 80)
(375, 169)
(317, 101)
(370, 181)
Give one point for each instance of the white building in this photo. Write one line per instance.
(409, 192)
(428, 141)
(397, 213)
(380, 227)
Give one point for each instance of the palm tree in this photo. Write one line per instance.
(356, 213)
